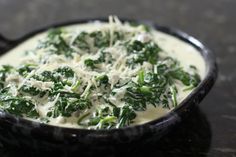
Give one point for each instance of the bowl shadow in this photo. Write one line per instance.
(192, 137)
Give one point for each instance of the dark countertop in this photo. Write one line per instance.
(211, 129)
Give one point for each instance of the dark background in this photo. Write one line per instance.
(211, 129)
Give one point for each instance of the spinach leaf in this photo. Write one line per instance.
(82, 41)
(18, 106)
(92, 63)
(65, 71)
(101, 39)
(4, 71)
(144, 52)
(127, 114)
(33, 91)
(56, 43)
(25, 69)
(65, 107)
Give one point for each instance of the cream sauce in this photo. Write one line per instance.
(185, 53)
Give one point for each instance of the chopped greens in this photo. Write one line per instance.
(55, 43)
(4, 71)
(101, 39)
(144, 52)
(81, 41)
(18, 105)
(65, 108)
(25, 69)
(33, 91)
(96, 79)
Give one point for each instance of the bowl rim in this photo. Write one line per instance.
(208, 56)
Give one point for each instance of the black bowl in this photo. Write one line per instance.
(18, 132)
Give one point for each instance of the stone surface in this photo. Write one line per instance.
(211, 130)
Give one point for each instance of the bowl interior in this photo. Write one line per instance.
(203, 87)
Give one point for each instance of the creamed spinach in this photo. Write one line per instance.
(98, 78)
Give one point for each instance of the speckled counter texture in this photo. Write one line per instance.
(211, 129)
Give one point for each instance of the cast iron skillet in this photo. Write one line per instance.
(19, 132)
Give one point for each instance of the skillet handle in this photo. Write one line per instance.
(6, 44)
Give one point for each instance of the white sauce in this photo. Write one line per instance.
(185, 53)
